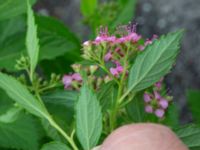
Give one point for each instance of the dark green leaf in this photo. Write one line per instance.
(88, 118)
(193, 97)
(56, 39)
(21, 134)
(190, 135)
(155, 62)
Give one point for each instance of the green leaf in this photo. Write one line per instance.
(88, 7)
(193, 97)
(135, 109)
(20, 134)
(105, 96)
(22, 96)
(12, 8)
(126, 14)
(190, 135)
(12, 42)
(155, 62)
(55, 146)
(171, 116)
(32, 42)
(5, 102)
(88, 118)
(56, 39)
(11, 115)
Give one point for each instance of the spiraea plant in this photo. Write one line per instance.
(119, 81)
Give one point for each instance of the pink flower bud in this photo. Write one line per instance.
(159, 113)
(120, 69)
(163, 103)
(157, 95)
(77, 77)
(147, 97)
(114, 72)
(149, 109)
(67, 80)
(134, 37)
(141, 47)
(108, 56)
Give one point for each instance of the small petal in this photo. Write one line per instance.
(157, 95)
(114, 71)
(163, 103)
(159, 113)
(86, 43)
(77, 77)
(120, 69)
(108, 56)
(141, 47)
(67, 80)
(149, 109)
(147, 97)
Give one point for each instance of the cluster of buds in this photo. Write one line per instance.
(74, 80)
(155, 102)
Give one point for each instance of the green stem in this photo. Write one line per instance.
(59, 129)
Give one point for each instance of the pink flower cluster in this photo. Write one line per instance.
(155, 103)
(68, 80)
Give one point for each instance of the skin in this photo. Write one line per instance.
(142, 137)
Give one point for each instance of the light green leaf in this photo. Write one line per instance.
(32, 42)
(155, 62)
(88, 7)
(55, 146)
(22, 96)
(193, 97)
(190, 135)
(12, 8)
(126, 14)
(21, 134)
(88, 118)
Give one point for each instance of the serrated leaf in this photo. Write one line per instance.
(55, 146)
(190, 135)
(88, 118)
(88, 7)
(193, 97)
(20, 134)
(32, 42)
(22, 96)
(155, 62)
(12, 8)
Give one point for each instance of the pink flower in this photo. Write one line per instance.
(67, 80)
(111, 39)
(159, 113)
(134, 37)
(149, 109)
(108, 56)
(147, 97)
(77, 77)
(141, 48)
(157, 95)
(114, 72)
(120, 69)
(163, 103)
